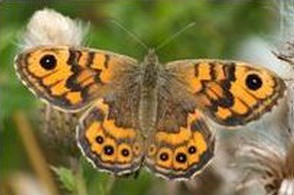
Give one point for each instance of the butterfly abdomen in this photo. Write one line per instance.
(149, 92)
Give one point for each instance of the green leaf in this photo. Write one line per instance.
(101, 190)
(66, 177)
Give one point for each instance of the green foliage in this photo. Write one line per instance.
(66, 177)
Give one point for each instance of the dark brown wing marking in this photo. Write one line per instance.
(70, 78)
(232, 93)
(108, 144)
(183, 153)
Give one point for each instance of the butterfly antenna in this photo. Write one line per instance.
(164, 43)
(135, 37)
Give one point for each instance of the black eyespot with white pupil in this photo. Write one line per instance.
(253, 81)
(99, 139)
(192, 150)
(125, 152)
(108, 150)
(181, 157)
(163, 156)
(48, 62)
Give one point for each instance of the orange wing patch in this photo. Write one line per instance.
(109, 147)
(70, 78)
(180, 155)
(248, 93)
(231, 93)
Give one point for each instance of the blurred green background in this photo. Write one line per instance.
(221, 27)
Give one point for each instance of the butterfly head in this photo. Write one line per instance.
(151, 58)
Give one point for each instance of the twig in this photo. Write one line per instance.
(32, 148)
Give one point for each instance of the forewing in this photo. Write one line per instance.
(70, 78)
(231, 93)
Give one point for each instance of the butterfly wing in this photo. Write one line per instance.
(181, 144)
(70, 78)
(180, 153)
(106, 143)
(231, 93)
(108, 133)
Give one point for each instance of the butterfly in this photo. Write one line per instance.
(146, 113)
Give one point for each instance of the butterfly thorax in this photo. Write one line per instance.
(150, 68)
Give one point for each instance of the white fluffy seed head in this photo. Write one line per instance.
(286, 13)
(48, 27)
(285, 41)
(287, 187)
